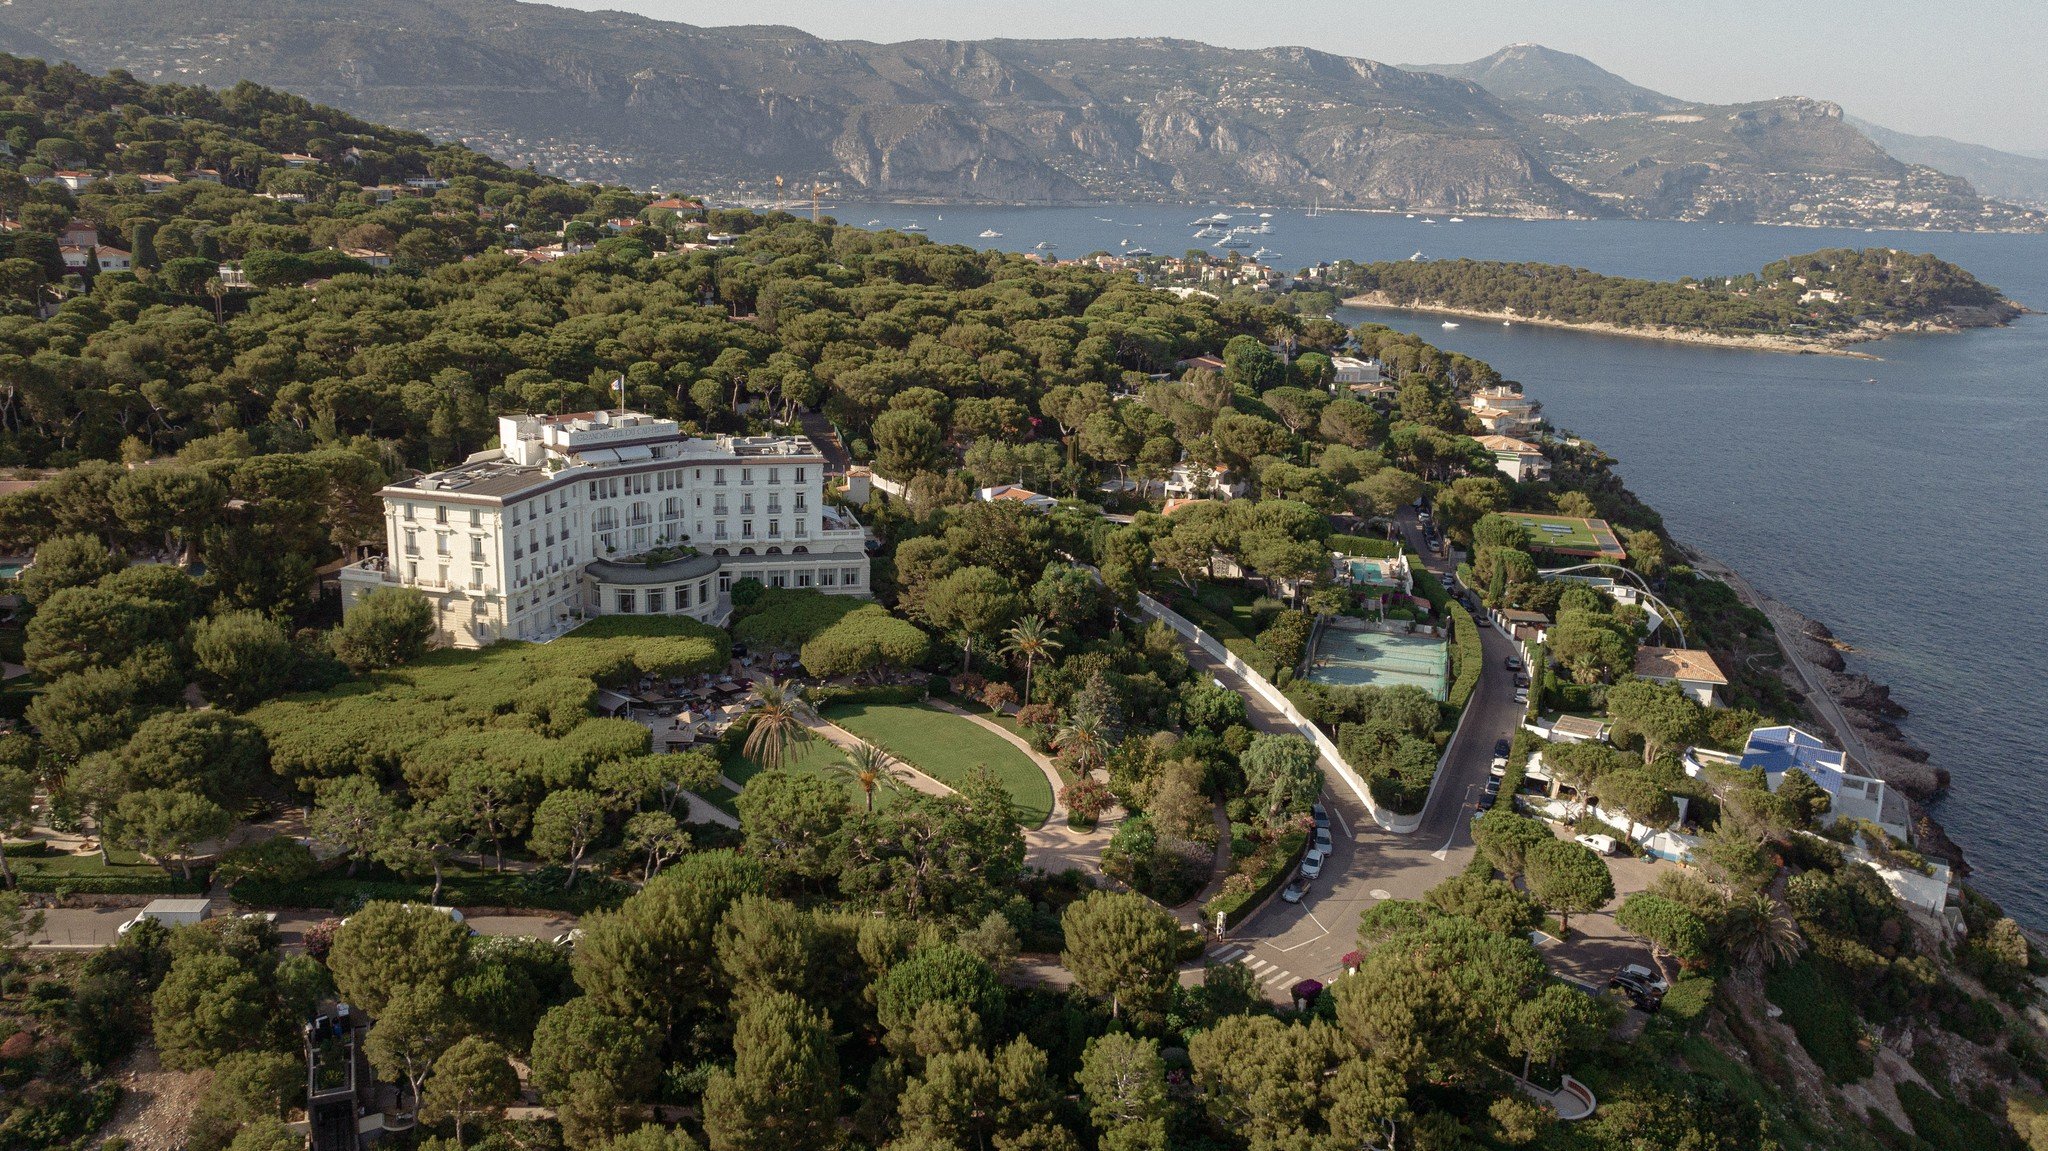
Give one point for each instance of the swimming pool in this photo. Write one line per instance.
(1376, 659)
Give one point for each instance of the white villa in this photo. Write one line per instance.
(1518, 460)
(1189, 480)
(600, 513)
(1352, 370)
(1777, 750)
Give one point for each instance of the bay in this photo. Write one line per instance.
(1902, 501)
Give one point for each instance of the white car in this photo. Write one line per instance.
(1293, 892)
(1601, 844)
(1312, 864)
(1323, 840)
(1647, 976)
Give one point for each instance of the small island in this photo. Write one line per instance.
(1820, 302)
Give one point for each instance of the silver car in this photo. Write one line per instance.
(1312, 864)
(1323, 840)
(1295, 889)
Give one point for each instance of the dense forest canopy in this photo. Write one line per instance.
(1835, 290)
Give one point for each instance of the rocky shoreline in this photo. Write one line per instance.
(1866, 705)
(1833, 345)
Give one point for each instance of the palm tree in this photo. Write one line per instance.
(218, 290)
(870, 767)
(1759, 933)
(781, 724)
(1030, 640)
(1081, 742)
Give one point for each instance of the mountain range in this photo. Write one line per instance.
(620, 97)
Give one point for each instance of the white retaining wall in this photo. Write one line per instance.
(1333, 760)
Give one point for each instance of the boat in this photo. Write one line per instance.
(990, 234)
(1409, 216)
(1209, 233)
(1417, 258)
(1449, 324)
(913, 227)
(1427, 220)
(1219, 217)
(874, 223)
(1263, 253)
(1234, 242)
(942, 219)
(1457, 219)
(1045, 245)
(1265, 215)
(1138, 252)
(1507, 323)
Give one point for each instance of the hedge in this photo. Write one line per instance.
(1235, 641)
(541, 890)
(898, 693)
(166, 884)
(1539, 675)
(1468, 659)
(1426, 583)
(1370, 546)
(1234, 908)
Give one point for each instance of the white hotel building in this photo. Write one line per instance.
(601, 513)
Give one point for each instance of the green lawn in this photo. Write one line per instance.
(815, 757)
(127, 871)
(946, 747)
(1568, 533)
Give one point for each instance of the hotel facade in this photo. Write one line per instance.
(608, 513)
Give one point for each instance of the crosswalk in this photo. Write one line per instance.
(1271, 976)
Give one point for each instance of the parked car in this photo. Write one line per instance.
(1600, 844)
(1312, 864)
(1322, 816)
(1493, 783)
(1501, 748)
(1322, 840)
(1647, 977)
(1422, 517)
(1294, 890)
(1512, 663)
(1635, 988)
(1522, 681)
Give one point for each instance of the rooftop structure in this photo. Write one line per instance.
(1570, 535)
(1777, 750)
(1695, 672)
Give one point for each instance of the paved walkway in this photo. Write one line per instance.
(1787, 623)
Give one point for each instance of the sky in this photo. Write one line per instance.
(1966, 69)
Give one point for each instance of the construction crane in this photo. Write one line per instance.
(816, 189)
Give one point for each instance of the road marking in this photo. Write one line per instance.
(1260, 965)
(1278, 977)
(1227, 954)
(1380, 893)
(1464, 800)
(1341, 825)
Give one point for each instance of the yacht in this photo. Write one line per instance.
(1265, 215)
(874, 223)
(1138, 252)
(990, 234)
(1209, 233)
(1219, 217)
(1449, 324)
(1234, 242)
(1409, 216)
(1457, 219)
(1417, 258)
(913, 227)
(1264, 254)
(1427, 220)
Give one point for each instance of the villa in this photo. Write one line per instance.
(1695, 672)
(1016, 494)
(1518, 460)
(600, 513)
(1352, 370)
(1190, 480)
(1390, 573)
(1777, 750)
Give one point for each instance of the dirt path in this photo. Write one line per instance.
(156, 1104)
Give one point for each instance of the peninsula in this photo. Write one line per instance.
(1823, 301)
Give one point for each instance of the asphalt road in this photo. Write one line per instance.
(1284, 943)
(91, 928)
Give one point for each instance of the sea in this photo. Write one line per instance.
(1903, 501)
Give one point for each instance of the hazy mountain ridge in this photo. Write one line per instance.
(2013, 176)
(614, 96)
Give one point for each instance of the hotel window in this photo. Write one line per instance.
(625, 602)
(801, 502)
(799, 475)
(408, 511)
(682, 596)
(654, 603)
(476, 550)
(476, 517)
(476, 577)
(803, 579)
(778, 579)
(774, 475)
(747, 505)
(746, 475)
(704, 590)
(440, 543)
(746, 529)
(440, 514)
(850, 576)
(803, 529)
(412, 541)
(718, 505)
(724, 582)
(774, 529)
(718, 477)
(412, 572)
(444, 575)
(827, 577)
(547, 503)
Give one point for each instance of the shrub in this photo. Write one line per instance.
(1820, 1009)
(1245, 891)
(1468, 659)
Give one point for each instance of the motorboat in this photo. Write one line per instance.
(1409, 216)
(990, 234)
(1457, 219)
(1417, 258)
(1427, 220)
(1139, 251)
(913, 227)
(874, 223)
(1234, 242)
(1209, 233)
(1449, 324)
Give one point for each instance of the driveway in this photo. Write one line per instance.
(1284, 943)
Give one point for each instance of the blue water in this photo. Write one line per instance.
(1909, 514)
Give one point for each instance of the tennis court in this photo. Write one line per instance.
(1376, 659)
